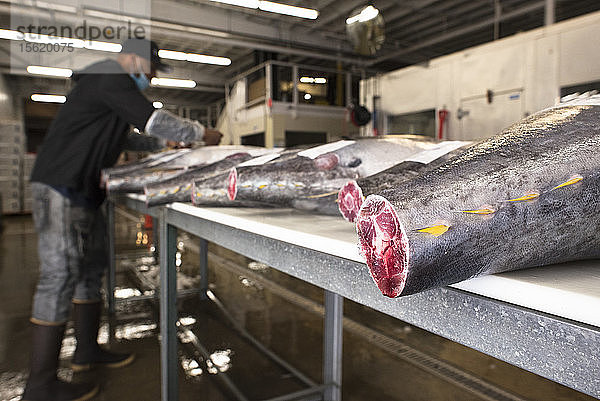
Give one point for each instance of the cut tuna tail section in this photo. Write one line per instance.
(232, 184)
(384, 244)
(350, 199)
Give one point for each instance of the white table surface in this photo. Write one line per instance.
(569, 290)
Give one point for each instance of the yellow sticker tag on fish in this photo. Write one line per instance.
(262, 186)
(573, 180)
(525, 197)
(479, 211)
(176, 190)
(436, 231)
(322, 195)
(188, 187)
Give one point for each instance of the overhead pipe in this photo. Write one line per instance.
(550, 12)
(497, 16)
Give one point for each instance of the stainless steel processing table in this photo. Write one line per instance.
(544, 320)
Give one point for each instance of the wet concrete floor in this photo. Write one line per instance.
(283, 313)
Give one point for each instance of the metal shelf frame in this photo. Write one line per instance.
(562, 350)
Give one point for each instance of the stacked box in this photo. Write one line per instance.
(28, 162)
(12, 143)
(11, 195)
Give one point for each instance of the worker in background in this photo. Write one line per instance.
(87, 135)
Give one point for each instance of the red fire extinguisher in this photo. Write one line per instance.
(442, 115)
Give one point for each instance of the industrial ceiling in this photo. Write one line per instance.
(415, 31)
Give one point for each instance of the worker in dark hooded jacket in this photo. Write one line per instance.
(87, 135)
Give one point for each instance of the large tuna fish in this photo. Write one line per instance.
(527, 197)
(134, 181)
(212, 191)
(321, 171)
(151, 160)
(351, 196)
(179, 188)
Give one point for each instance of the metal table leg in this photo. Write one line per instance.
(203, 268)
(112, 262)
(332, 347)
(156, 241)
(168, 309)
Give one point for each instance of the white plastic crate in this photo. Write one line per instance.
(10, 173)
(8, 184)
(11, 205)
(11, 149)
(13, 139)
(27, 166)
(27, 190)
(11, 131)
(27, 205)
(29, 159)
(10, 193)
(9, 162)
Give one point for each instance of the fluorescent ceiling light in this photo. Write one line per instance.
(48, 98)
(288, 10)
(195, 58)
(157, 105)
(273, 7)
(172, 55)
(72, 42)
(56, 7)
(201, 58)
(366, 14)
(50, 71)
(307, 96)
(173, 82)
(12, 35)
(241, 3)
(103, 46)
(311, 80)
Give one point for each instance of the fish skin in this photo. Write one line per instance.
(352, 194)
(179, 188)
(151, 160)
(134, 181)
(297, 182)
(282, 182)
(212, 191)
(532, 156)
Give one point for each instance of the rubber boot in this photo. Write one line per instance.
(88, 353)
(43, 384)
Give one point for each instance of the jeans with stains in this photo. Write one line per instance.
(72, 248)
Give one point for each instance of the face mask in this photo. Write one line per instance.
(140, 79)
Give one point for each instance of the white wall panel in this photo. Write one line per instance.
(498, 69)
(414, 89)
(543, 87)
(580, 55)
(534, 64)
